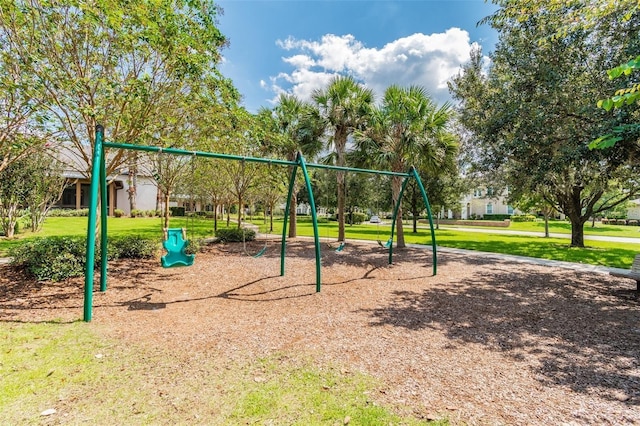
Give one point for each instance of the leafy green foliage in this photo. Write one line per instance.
(356, 218)
(234, 235)
(52, 258)
(60, 258)
(523, 218)
(68, 213)
(131, 247)
(527, 125)
(622, 98)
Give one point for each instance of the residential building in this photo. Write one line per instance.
(76, 194)
(482, 202)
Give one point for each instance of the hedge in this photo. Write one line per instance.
(60, 258)
(235, 235)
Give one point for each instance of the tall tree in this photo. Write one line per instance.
(33, 182)
(118, 63)
(295, 127)
(21, 117)
(408, 128)
(528, 121)
(345, 105)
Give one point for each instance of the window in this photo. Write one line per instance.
(477, 193)
(489, 208)
(509, 210)
(489, 191)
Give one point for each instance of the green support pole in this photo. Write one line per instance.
(395, 215)
(103, 222)
(91, 227)
(314, 218)
(415, 174)
(287, 209)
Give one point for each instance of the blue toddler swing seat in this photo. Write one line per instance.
(175, 243)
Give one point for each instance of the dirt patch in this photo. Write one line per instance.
(484, 341)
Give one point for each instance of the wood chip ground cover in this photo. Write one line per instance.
(482, 342)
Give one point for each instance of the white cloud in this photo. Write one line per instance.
(420, 59)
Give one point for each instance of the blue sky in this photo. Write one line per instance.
(298, 46)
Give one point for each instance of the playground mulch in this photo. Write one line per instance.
(482, 342)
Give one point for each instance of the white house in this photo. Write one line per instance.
(76, 194)
(633, 212)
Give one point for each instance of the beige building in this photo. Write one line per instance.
(484, 202)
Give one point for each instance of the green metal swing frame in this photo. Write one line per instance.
(98, 191)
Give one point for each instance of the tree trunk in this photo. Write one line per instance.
(9, 221)
(271, 207)
(546, 225)
(166, 210)
(293, 221)
(341, 216)
(214, 203)
(396, 185)
(577, 230)
(133, 182)
(340, 141)
(239, 211)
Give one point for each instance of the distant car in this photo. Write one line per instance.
(374, 219)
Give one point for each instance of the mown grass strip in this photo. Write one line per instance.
(611, 254)
(88, 379)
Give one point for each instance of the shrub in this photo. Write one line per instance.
(497, 216)
(357, 217)
(523, 218)
(194, 246)
(234, 235)
(632, 222)
(60, 258)
(52, 258)
(604, 221)
(68, 213)
(131, 247)
(137, 213)
(176, 211)
(118, 213)
(621, 221)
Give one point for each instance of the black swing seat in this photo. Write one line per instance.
(175, 244)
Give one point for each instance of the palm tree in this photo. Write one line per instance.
(345, 106)
(408, 128)
(298, 128)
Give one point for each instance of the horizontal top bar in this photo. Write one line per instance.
(204, 154)
(354, 169)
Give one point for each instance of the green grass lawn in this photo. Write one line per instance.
(597, 252)
(87, 378)
(612, 254)
(564, 227)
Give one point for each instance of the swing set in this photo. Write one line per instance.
(175, 241)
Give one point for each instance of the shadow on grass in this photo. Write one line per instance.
(573, 322)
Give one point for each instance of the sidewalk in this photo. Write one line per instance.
(583, 267)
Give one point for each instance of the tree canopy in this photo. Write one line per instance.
(527, 121)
